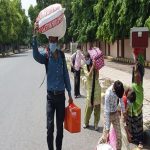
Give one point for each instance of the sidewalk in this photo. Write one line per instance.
(114, 74)
(109, 74)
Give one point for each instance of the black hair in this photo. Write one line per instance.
(88, 66)
(141, 70)
(87, 55)
(118, 88)
(79, 46)
(131, 95)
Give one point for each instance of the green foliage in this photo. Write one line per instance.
(147, 23)
(83, 22)
(116, 17)
(13, 23)
(107, 20)
(33, 13)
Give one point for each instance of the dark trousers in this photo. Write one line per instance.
(77, 83)
(55, 103)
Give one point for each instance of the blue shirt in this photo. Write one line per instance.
(57, 73)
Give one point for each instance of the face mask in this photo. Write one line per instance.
(52, 47)
(88, 61)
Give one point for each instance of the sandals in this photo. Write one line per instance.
(85, 126)
(96, 128)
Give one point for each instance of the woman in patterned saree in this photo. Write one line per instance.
(135, 115)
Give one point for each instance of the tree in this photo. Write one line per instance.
(107, 16)
(13, 23)
(107, 20)
(117, 17)
(83, 23)
(33, 13)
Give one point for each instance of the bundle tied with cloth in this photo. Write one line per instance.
(52, 21)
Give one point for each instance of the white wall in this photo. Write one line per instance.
(84, 46)
(113, 49)
(119, 48)
(102, 47)
(106, 49)
(127, 49)
(148, 51)
(94, 44)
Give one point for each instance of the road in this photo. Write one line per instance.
(22, 104)
(23, 108)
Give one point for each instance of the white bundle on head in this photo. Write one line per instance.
(52, 21)
(104, 147)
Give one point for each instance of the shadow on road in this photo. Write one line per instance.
(21, 54)
(18, 55)
(100, 129)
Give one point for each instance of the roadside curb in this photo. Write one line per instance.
(125, 60)
(8, 54)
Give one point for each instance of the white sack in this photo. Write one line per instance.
(52, 21)
(104, 147)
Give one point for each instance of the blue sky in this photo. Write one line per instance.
(26, 4)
